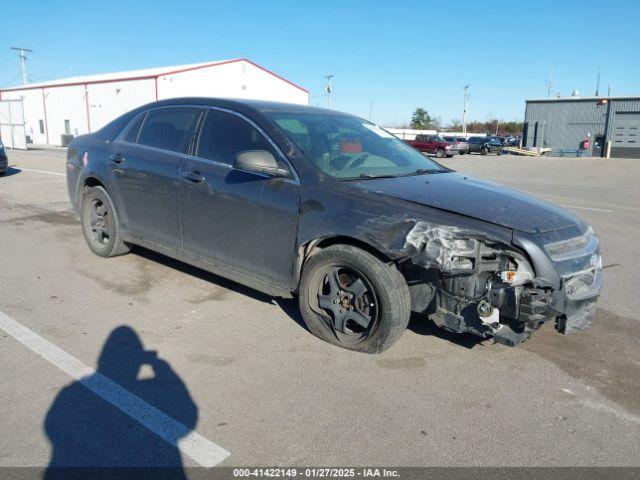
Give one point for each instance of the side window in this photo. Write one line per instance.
(131, 133)
(168, 128)
(224, 136)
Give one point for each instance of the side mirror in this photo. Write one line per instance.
(261, 161)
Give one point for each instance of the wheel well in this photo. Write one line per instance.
(88, 183)
(92, 182)
(312, 247)
(343, 240)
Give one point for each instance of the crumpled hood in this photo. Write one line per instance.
(475, 198)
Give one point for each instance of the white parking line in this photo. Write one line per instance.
(201, 450)
(588, 208)
(604, 408)
(41, 171)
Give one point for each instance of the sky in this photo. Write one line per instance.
(387, 58)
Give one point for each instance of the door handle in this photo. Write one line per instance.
(116, 158)
(193, 176)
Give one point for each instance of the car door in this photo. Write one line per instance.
(245, 221)
(145, 164)
(474, 143)
(431, 146)
(420, 143)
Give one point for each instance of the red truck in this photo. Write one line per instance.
(433, 144)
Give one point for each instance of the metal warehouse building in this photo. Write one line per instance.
(562, 123)
(74, 106)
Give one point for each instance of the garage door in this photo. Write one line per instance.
(12, 128)
(626, 136)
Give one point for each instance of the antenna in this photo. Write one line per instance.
(464, 111)
(23, 61)
(598, 84)
(550, 83)
(329, 89)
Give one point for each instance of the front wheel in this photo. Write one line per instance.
(351, 299)
(484, 151)
(440, 153)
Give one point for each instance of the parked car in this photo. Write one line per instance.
(485, 145)
(4, 162)
(433, 145)
(299, 201)
(461, 144)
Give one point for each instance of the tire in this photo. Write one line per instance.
(100, 225)
(484, 151)
(439, 153)
(378, 291)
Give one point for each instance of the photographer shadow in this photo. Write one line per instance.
(91, 438)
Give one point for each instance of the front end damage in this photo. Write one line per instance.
(466, 281)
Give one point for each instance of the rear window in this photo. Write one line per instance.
(169, 129)
(461, 139)
(131, 133)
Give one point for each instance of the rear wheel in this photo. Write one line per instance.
(484, 151)
(351, 299)
(100, 224)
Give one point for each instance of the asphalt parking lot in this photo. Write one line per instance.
(237, 368)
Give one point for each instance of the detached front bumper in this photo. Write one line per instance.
(573, 268)
(577, 300)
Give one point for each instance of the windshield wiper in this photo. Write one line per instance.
(425, 171)
(368, 176)
(420, 171)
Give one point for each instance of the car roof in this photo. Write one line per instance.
(240, 104)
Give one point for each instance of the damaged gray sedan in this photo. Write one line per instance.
(292, 200)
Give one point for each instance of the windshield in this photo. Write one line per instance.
(348, 147)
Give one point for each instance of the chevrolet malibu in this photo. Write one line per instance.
(362, 228)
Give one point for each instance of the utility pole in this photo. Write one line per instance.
(598, 84)
(23, 61)
(370, 109)
(466, 107)
(609, 91)
(328, 89)
(550, 84)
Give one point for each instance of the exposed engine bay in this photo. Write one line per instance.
(465, 282)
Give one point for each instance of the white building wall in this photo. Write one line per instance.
(65, 103)
(232, 80)
(107, 101)
(33, 111)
